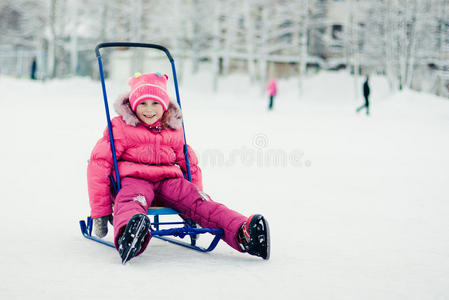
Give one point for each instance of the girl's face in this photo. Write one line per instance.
(149, 111)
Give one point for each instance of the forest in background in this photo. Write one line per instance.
(405, 40)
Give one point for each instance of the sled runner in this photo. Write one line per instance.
(161, 230)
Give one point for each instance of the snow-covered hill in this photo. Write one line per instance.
(357, 205)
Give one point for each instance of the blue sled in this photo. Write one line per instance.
(188, 229)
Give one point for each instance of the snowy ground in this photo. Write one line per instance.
(358, 206)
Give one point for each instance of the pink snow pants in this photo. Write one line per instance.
(137, 195)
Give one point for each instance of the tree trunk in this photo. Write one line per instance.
(403, 43)
(389, 53)
(354, 49)
(228, 37)
(136, 34)
(216, 46)
(74, 40)
(51, 41)
(264, 41)
(196, 39)
(104, 20)
(411, 49)
(249, 39)
(443, 37)
(304, 42)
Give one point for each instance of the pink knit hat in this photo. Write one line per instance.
(148, 86)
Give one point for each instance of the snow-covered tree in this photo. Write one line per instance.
(403, 39)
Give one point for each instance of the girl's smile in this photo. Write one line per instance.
(149, 111)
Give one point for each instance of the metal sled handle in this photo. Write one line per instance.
(105, 98)
(134, 45)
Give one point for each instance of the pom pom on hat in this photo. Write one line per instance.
(150, 86)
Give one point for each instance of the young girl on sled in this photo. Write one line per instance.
(149, 143)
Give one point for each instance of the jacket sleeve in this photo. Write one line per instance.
(195, 170)
(98, 170)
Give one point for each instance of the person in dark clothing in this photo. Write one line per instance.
(366, 92)
(33, 69)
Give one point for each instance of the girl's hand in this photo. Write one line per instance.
(101, 225)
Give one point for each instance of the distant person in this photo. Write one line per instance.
(33, 69)
(272, 91)
(149, 141)
(366, 92)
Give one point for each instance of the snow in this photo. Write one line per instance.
(357, 205)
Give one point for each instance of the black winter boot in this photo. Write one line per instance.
(130, 241)
(254, 236)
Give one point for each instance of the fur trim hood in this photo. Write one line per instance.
(172, 117)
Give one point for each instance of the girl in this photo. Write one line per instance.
(149, 145)
(272, 92)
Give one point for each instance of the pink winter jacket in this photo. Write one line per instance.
(272, 88)
(142, 152)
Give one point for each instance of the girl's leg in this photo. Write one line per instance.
(135, 197)
(184, 196)
(270, 106)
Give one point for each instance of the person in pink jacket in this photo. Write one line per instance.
(149, 143)
(272, 91)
